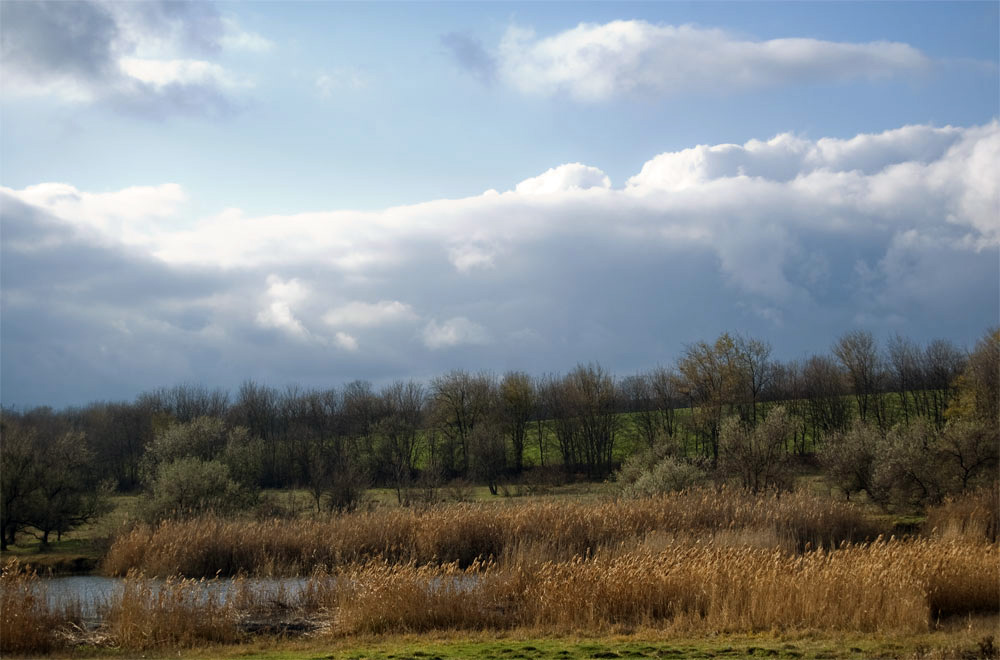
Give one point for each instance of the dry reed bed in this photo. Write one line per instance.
(974, 515)
(464, 533)
(26, 618)
(884, 586)
(878, 587)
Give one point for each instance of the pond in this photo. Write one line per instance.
(90, 592)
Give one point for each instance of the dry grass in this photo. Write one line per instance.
(698, 562)
(26, 620)
(465, 533)
(879, 587)
(974, 516)
(894, 586)
(174, 613)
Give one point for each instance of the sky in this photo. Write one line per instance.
(316, 192)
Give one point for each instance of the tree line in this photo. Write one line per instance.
(716, 398)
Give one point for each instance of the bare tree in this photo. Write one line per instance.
(398, 431)
(824, 386)
(903, 358)
(594, 396)
(517, 403)
(360, 414)
(708, 377)
(487, 457)
(755, 372)
(256, 408)
(557, 399)
(541, 414)
(787, 385)
(859, 355)
(640, 403)
(188, 401)
(970, 449)
(667, 398)
(942, 363)
(459, 402)
(119, 434)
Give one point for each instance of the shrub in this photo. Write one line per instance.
(758, 458)
(188, 487)
(668, 475)
(848, 459)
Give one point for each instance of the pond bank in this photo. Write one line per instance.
(58, 565)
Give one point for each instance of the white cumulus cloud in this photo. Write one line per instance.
(363, 314)
(280, 297)
(161, 73)
(569, 177)
(595, 62)
(454, 332)
(346, 341)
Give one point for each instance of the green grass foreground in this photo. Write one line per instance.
(961, 639)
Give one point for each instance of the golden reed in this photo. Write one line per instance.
(464, 533)
(887, 586)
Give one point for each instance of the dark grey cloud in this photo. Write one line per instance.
(56, 39)
(76, 49)
(469, 53)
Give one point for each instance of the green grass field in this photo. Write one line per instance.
(954, 639)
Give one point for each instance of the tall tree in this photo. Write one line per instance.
(978, 386)
(942, 364)
(824, 386)
(859, 355)
(517, 405)
(557, 398)
(398, 431)
(666, 398)
(594, 396)
(708, 376)
(755, 372)
(257, 409)
(68, 494)
(460, 401)
(18, 477)
(904, 358)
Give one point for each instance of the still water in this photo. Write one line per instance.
(91, 592)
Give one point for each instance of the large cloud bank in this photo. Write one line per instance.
(791, 239)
